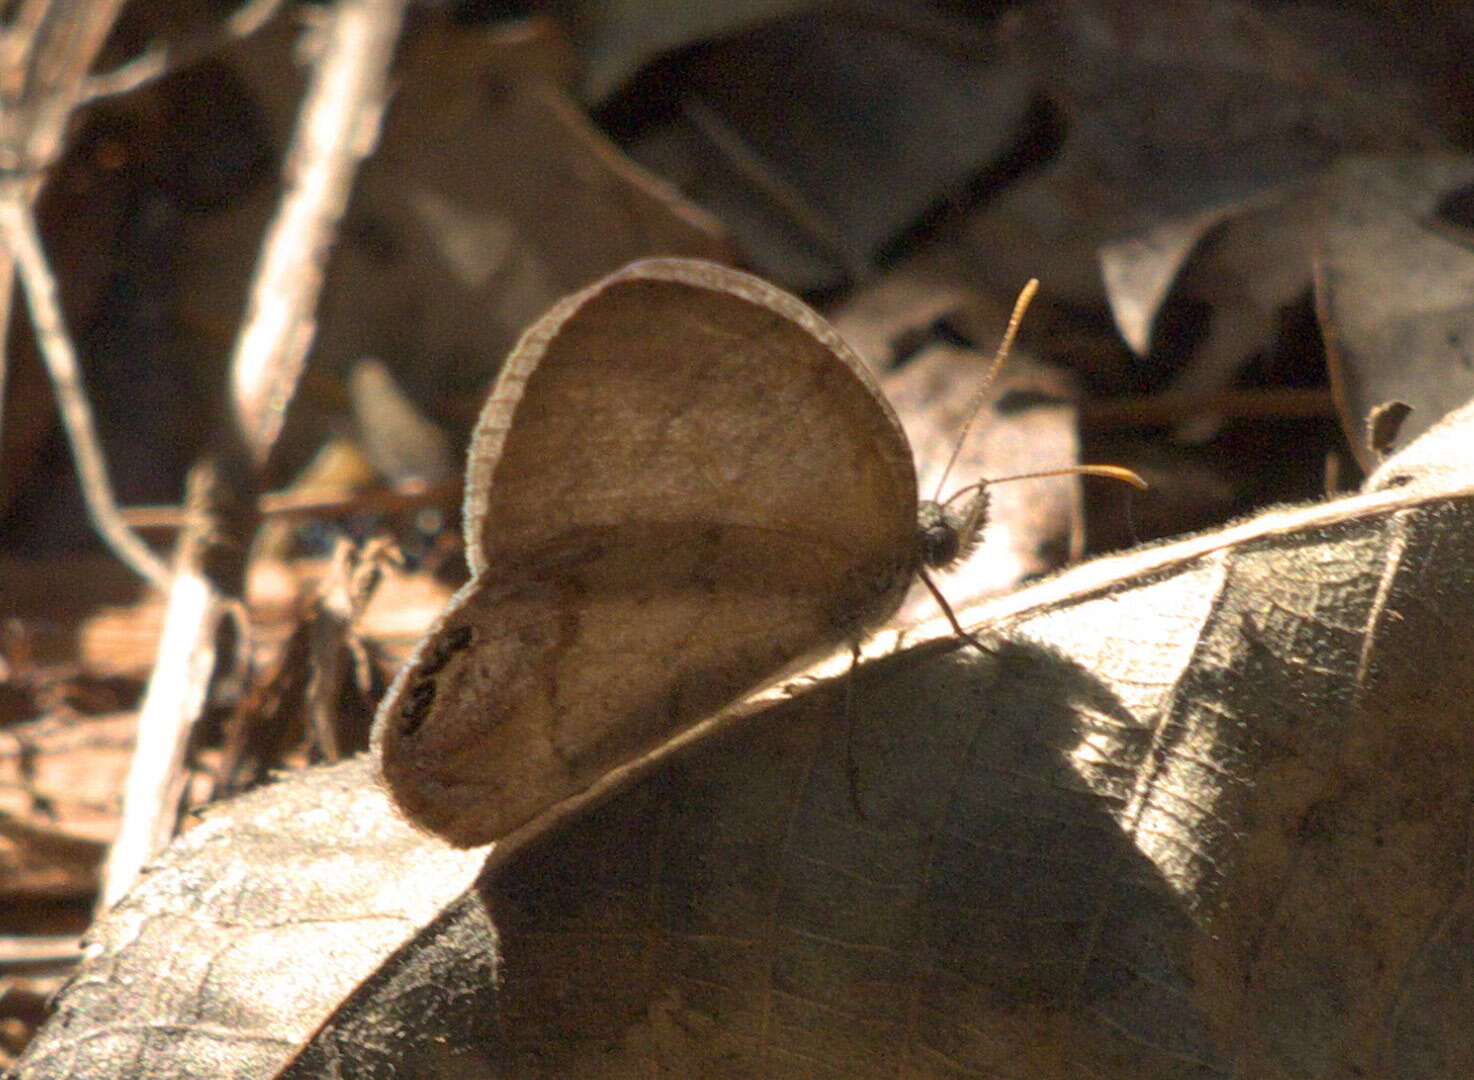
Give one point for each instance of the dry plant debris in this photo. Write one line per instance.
(1200, 806)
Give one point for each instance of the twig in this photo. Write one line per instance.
(161, 59)
(52, 950)
(7, 282)
(175, 696)
(311, 503)
(18, 228)
(337, 126)
(46, 54)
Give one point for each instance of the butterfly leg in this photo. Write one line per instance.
(941, 600)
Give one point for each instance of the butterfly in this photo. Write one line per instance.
(683, 483)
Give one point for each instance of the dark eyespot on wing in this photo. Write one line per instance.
(417, 702)
(444, 647)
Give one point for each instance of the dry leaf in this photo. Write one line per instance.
(255, 926)
(1262, 99)
(487, 199)
(1202, 813)
(1201, 810)
(1395, 293)
(615, 37)
(821, 139)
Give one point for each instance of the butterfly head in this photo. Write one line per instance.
(948, 532)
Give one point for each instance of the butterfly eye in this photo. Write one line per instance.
(936, 535)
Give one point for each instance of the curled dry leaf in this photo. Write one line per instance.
(1201, 810)
(1264, 97)
(820, 140)
(1395, 293)
(490, 196)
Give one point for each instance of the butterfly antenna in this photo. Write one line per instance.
(1021, 305)
(1110, 472)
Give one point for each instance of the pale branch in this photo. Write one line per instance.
(45, 53)
(339, 126)
(176, 694)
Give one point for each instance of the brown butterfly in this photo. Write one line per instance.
(683, 483)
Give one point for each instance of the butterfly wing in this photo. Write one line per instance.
(683, 482)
